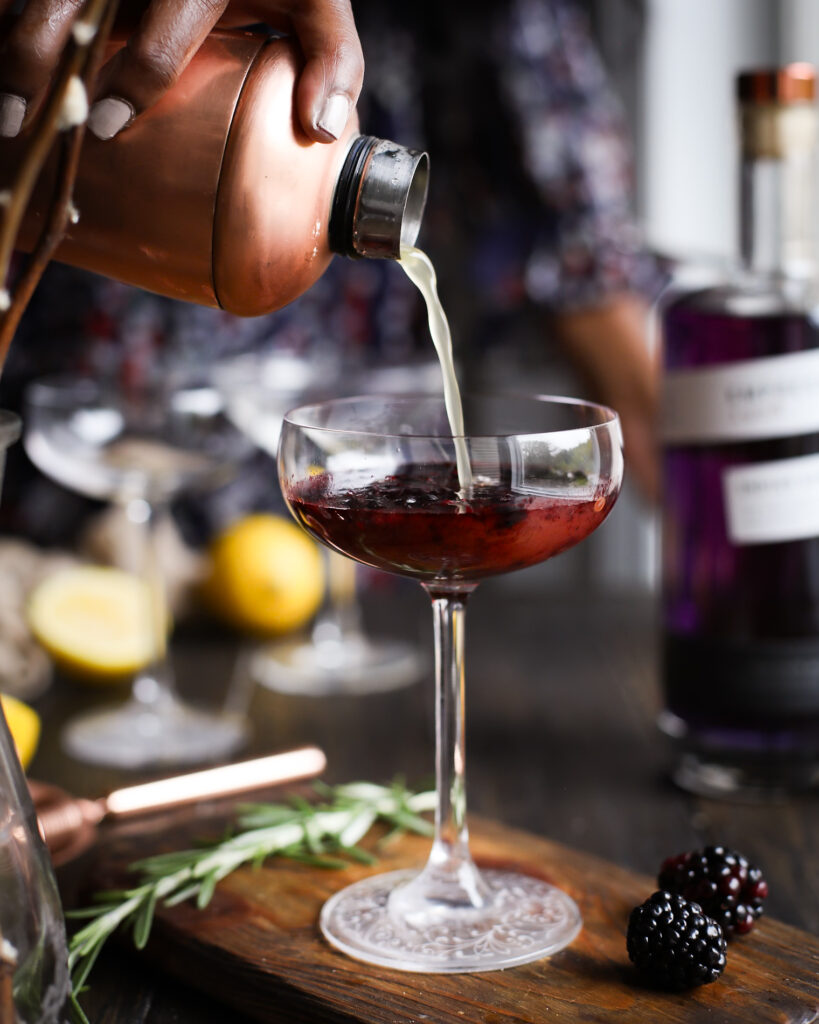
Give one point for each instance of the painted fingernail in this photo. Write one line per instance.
(334, 114)
(109, 116)
(12, 112)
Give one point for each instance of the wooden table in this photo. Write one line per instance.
(561, 702)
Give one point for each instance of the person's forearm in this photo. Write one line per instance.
(609, 346)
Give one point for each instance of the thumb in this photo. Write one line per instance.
(330, 81)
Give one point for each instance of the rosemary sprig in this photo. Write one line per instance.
(324, 834)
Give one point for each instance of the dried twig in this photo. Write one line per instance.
(78, 69)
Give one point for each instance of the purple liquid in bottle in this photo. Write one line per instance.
(741, 621)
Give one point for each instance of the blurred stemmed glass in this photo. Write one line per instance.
(34, 981)
(140, 447)
(376, 478)
(338, 656)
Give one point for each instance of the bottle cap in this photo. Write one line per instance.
(793, 83)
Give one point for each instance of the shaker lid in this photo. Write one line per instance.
(792, 83)
(379, 199)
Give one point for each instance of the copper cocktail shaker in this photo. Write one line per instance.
(216, 196)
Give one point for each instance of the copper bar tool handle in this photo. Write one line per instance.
(66, 816)
(216, 783)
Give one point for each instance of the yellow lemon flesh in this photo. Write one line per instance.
(24, 726)
(96, 623)
(266, 575)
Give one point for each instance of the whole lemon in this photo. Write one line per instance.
(266, 575)
(24, 726)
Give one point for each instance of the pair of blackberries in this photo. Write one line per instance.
(677, 937)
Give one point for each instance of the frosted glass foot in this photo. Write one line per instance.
(527, 919)
(133, 737)
(341, 667)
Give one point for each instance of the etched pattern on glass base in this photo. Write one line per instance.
(527, 919)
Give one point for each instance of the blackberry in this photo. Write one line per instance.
(673, 944)
(722, 881)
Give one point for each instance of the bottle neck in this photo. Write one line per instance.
(379, 199)
(777, 175)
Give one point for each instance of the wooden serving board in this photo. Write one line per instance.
(258, 949)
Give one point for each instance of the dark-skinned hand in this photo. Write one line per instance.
(162, 37)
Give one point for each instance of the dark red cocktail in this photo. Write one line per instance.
(414, 523)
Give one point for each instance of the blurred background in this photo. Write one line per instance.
(673, 65)
(639, 135)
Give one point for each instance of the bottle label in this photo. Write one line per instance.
(770, 502)
(750, 400)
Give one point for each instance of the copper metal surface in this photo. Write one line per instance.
(793, 83)
(146, 198)
(273, 208)
(157, 209)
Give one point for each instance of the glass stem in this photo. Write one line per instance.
(340, 617)
(451, 834)
(449, 881)
(153, 685)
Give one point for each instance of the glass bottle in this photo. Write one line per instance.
(34, 980)
(741, 474)
(215, 195)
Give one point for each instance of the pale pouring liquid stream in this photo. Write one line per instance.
(419, 269)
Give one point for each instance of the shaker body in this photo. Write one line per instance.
(214, 195)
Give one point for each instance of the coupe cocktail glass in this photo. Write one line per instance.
(375, 478)
(141, 448)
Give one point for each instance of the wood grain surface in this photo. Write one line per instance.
(257, 948)
(561, 703)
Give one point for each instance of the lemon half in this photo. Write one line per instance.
(96, 623)
(24, 726)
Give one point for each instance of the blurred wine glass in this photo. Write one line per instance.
(34, 981)
(140, 447)
(338, 656)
